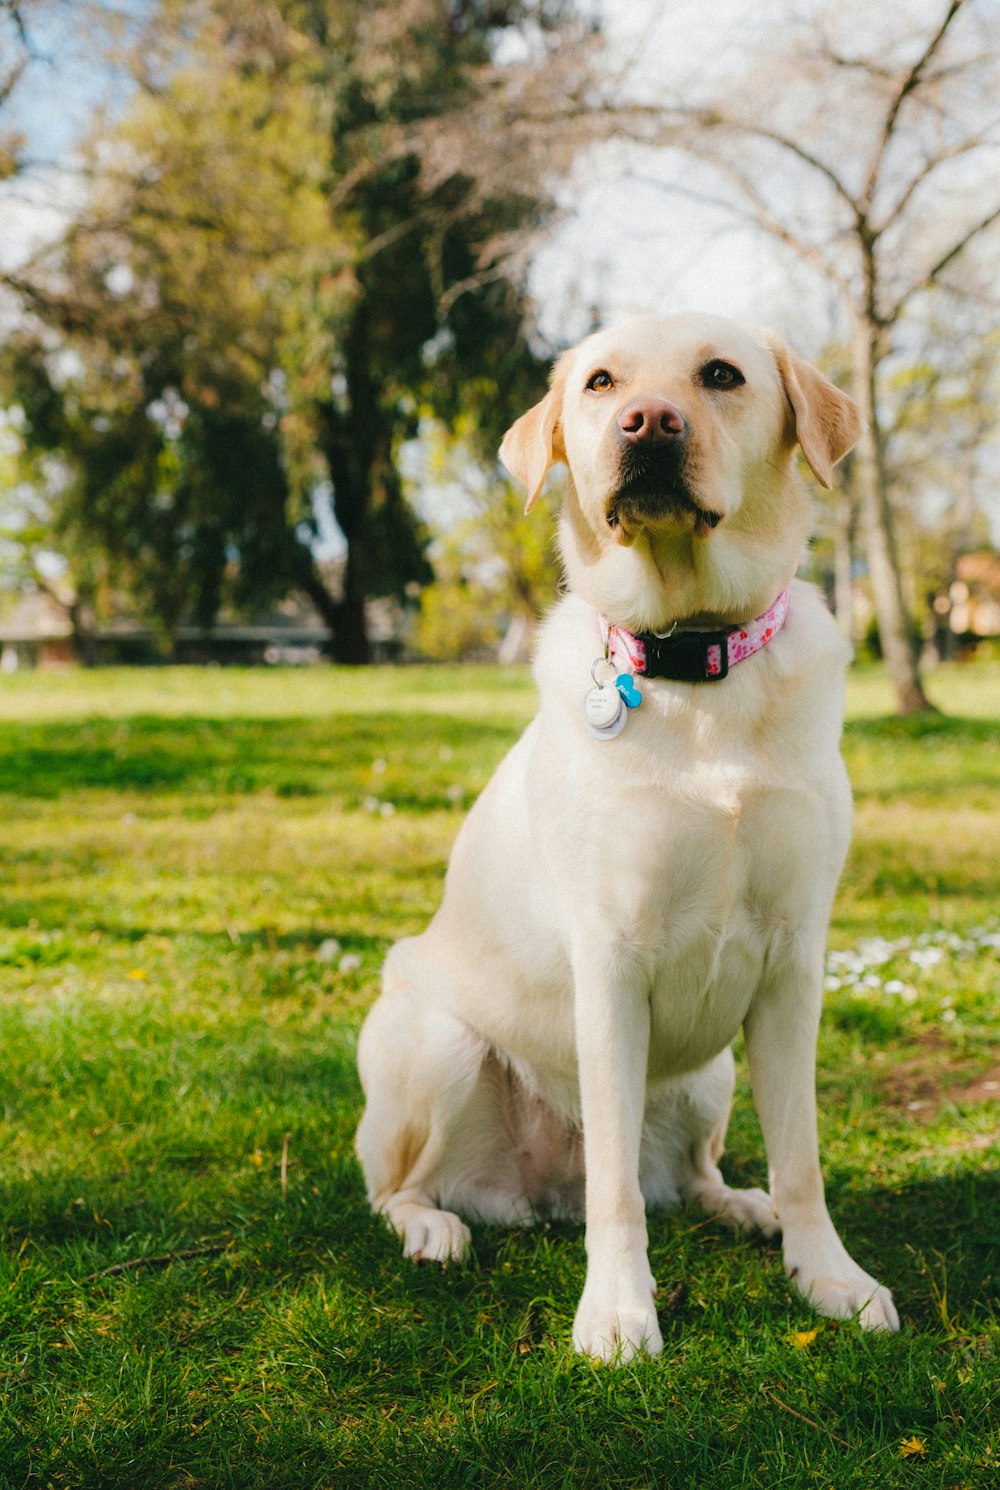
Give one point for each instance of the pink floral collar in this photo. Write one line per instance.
(691, 656)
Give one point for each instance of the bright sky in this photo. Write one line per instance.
(627, 245)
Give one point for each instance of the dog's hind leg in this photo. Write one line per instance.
(705, 1105)
(435, 1131)
(418, 1067)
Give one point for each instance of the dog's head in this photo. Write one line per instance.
(678, 433)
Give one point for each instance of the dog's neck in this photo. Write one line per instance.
(722, 579)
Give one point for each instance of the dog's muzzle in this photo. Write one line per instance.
(652, 486)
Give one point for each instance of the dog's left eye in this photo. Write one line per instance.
(600, 382)
(719, 374)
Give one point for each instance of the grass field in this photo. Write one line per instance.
(202, 872)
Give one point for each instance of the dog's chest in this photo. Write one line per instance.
(711, 882)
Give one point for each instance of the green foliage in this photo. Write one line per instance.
(493, 568)
(459, 615)
(268, 282)
(181, 849)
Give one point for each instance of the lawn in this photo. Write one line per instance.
(202, 871)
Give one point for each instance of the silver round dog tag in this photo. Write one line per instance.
(606, 713)
(602, 705)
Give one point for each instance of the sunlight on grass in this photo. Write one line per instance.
(202, 873)
(970, 690)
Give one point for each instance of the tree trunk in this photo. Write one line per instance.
(345, 617)
(843, 580)
(899, 646)
(352, 644)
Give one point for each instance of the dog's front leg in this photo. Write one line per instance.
(781, 1030)
(616, 1315)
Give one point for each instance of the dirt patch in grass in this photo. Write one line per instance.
(985, 1088)
(931, 1076)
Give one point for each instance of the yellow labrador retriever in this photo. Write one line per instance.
(652, 865)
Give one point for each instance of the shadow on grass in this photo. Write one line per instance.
(308, 756)
(935, 1242)
(222, 1092)
(382, 1372)
(21, 915)
(290, 757)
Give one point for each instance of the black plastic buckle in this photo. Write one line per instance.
(683, 657)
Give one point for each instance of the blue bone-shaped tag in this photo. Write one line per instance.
(625, 683)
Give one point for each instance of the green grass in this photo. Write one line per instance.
(180, 851)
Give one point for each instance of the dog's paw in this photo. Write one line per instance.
(857, 1297)
(616, 1335)
(827, 1276)
(879, 1312)
(744, 1210)
(835, 1286)
(435, 1236)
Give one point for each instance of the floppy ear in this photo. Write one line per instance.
(827, 421)
(534, 442)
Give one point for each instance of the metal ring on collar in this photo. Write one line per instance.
(596, 664)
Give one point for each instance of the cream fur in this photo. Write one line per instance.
(558, 1040)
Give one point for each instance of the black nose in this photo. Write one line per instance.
(650, 421)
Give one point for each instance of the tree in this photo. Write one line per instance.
(866, 145)
(496, 569)
(157, 391)
(266, 255)
(432, 310)
(16, 53)
(948, 383)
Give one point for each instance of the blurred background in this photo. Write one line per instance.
(275, 275)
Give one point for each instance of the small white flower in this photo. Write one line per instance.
(386, 809)
(926, 956)
(328, 950)
(349, 963)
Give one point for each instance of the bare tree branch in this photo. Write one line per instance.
(761, 214)
(14, 10)
(933, 274)
(794, 147)
(931, 164)
(681, 120)
(910, 82)
(10, 82)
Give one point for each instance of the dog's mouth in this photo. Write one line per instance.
(652, 489)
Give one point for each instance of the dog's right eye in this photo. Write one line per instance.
(600, 381)
(719, 374)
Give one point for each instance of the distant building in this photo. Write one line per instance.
(37, 633)
(968, 612)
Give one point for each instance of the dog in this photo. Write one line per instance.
(652, 866)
